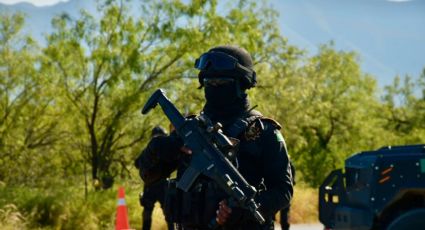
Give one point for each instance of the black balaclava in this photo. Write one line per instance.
(227, 102)
(223, 103)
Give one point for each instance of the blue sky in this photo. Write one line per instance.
(388, 35)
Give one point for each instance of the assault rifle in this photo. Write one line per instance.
(207, 141)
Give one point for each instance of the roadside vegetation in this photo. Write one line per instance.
(69, 208)
(70, 122)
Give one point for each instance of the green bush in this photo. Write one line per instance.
(56, 208)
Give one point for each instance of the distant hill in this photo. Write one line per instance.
(38, 19)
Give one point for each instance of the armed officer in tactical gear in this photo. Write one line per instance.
(153, 192)
(226, 72)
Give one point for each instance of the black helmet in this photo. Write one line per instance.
(228, 60)
(158, 131)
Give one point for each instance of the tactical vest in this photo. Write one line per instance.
(197, 207)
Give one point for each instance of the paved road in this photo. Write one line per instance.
(316, 226)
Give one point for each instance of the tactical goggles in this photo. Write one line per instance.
(219, 61)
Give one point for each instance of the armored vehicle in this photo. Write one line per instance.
(381, 189)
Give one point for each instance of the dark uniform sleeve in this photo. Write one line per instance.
(276, 171)
(159, 158)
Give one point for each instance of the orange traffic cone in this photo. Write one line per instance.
(122, 218)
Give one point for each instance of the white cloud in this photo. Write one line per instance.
(34, 2)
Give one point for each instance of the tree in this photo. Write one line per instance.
(327, 109)
(404, 110)
(27, 120)
(106, 69)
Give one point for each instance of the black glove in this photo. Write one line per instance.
(164, 148)
(159, 158)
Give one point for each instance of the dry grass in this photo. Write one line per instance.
(11, 218)
(304, 209)
(158, 219)
(67, 209)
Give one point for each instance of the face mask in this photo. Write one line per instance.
(220, 92)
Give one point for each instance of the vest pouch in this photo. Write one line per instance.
(195, 208)
(185, 207)
(213, 196)
(193, 205)
(173, 203)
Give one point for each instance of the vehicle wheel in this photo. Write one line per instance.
(413, 219)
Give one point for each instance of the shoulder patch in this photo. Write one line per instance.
(254, 130)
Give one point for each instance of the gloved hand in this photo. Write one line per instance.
(164, 148)
(159, 158)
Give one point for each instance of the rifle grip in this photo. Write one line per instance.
(189, 176)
